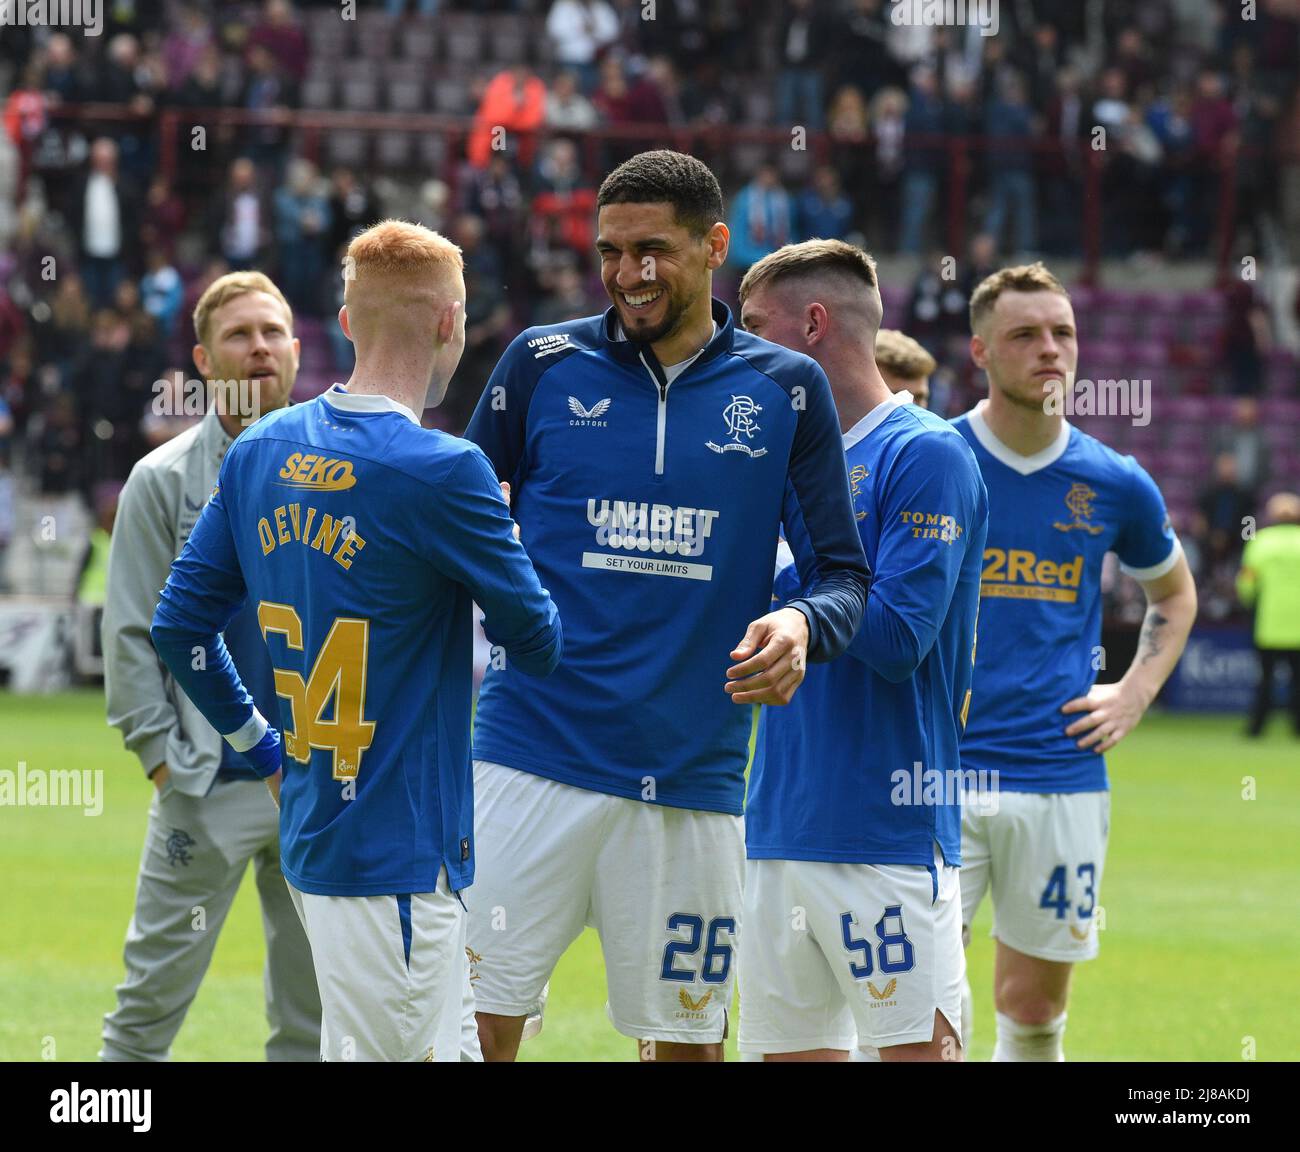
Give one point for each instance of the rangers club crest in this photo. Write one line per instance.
(739, 415)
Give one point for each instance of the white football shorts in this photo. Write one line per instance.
(391, 972)
(1042, 854)
(661, 886)
(836, 955)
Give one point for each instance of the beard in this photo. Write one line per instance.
(644, 332)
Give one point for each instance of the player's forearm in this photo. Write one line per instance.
(887, 643)
(1165, 629)
(201, 665)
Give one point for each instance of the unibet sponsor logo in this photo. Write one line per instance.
(1021, 575)
(646, 535)
(932, 526)
(317, 473)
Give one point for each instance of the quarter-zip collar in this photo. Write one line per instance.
(634, 353)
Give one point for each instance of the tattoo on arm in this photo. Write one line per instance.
(1149, 641)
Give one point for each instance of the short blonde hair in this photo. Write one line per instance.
(811, 257)
(1020, 278)
(230, 287)
(902, 356)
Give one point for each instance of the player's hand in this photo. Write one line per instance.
(160, 776)
(505, 491)
(1112, 712)
(273, 786)
(773, 656)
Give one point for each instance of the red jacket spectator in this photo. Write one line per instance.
(516, 101)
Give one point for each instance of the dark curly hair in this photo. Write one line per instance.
(668, 177)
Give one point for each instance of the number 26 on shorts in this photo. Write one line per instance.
(716, 966)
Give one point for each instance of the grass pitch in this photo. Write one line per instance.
(1198, 957)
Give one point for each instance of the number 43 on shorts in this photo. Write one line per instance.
(1054, 896)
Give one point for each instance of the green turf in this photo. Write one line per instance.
(1202, 925)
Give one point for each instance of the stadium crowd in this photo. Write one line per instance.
(102, 256)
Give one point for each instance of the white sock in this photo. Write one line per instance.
(967, 1014)
(1038, 1043)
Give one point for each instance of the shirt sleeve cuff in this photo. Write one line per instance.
(1156, 570)
(249, 734)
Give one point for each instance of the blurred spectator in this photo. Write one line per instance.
(107, 215)
(580, 31)
(69, 328)
(352, 208)
(1224, 505)
(661, 92)
(188, 42)
(567, 109)
(1246, 339)
(1287, 143)
(923, 163)
(565, 297)
(1169, 121)
(804, 42)
(278, 32)
(25, 121)
(1040, 62)
(848, 123)
(237, 220)
(56, 446)
(496, 194)
(92, 579)
(117, 81)
(1244, 440)
(762, 218)
(1269, 581)
(882, 188)
(1213, 125)
(1066, 127)
(565, 207)
(266, 90)
(204, 86)
(1008, 127)
(512, 110)
(162, 292)
(164, 217)
(302, 229)
(861, 49)
(486, 323)
(63, 79)
(823, 210)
